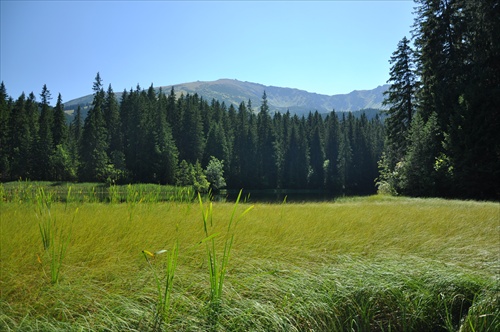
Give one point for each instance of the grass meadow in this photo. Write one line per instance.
(360, 264)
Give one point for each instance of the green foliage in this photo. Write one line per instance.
(4, 133)
(400, 97)
(215, 173)
(217, 266)
(457, 92)
(143, 137)
(55, 237)
(59, 127)
(419, 176)
(64, 167)
(93, 154)
(417, 173)
(192, 175)
(200, 182)
(184, 174)
(191, 137)
(164, 283)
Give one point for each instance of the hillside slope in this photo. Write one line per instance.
(279, 99)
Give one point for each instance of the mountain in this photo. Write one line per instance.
(279, 99)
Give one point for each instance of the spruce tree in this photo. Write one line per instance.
(217, 144)
(19, 139)
(296, 164)
(45, 146)
(112, 120)
(74, 139)
(317, 156)
(93, 157)
(400, 97)
(191, 138)
(59, 125)
(160, 143)
(344, 160)
(418, 170)
(266, 163)
(250, 158)
(33, 122)
(4, 127)
(332, 143)
(472, 145)
(173, 115)
(458, 51)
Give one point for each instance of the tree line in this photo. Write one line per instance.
(443, 125)
(150, 136)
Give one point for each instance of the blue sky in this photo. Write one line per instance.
(327, 47)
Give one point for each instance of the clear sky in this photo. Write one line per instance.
(327, 47)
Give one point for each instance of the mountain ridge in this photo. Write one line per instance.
(280, 99)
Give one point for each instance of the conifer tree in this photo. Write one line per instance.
(93, 157)
(112, 119)
(251, 155)
(173, 115)
(216, 145)
(244, 149)
(400, 97)
(332, 142)
(59, 126)
(74, 139)
(296, 165)
(317, 156)
(19, 139)
(4, 127)
(266, 163)
(191, 138)
(33, 123)
(77, 126)
(472, 144)
(458, 51)
(344, 160)
(164, 152)
(45, 146)
(418, 170)
(279, 148)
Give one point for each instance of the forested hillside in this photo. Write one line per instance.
(280, 99)
(157, 137)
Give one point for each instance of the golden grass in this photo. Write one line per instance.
(105, 253)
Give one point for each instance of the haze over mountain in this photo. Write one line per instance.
(279, 99)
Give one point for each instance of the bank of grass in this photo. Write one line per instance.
(68, 192)
(363, 264)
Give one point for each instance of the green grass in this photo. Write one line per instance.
(364, 264)
(26, 191)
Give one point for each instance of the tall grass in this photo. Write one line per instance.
(26, 191)
(217, 266)
(377, 264)
(165, 286)
(55, 237)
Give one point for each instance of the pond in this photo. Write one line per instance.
(275, 196)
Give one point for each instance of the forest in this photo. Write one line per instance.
(440, 136)
(151, 137)
(443, 125)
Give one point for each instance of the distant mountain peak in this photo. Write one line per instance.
(233, 91)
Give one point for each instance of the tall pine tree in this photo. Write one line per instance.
(4, 127)
(59, 126)
(45, 145)
(266, 163)
(400, 97)
(93, 157)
